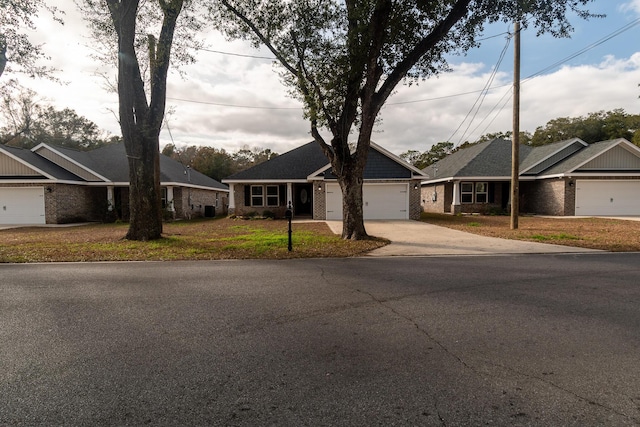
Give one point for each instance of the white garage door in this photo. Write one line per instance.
(380, 201)
(607, 198)
(22, 205)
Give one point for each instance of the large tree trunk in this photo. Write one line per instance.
(145, 208)
(352, 209)
(140, 120)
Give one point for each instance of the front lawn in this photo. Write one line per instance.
(182, 240)
(593, 233)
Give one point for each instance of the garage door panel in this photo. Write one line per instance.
(380, 201)
(608, 198)
(22, 205)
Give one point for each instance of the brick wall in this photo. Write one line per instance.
(190, 202)
(546, 197)
(75, 203)
(319, 201)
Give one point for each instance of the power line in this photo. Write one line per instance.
(218, 104)
(483, 93)
(238, 54)
(546, 69)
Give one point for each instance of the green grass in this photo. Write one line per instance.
(553, 237)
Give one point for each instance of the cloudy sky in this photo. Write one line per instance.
(229, 101)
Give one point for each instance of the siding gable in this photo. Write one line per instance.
(616, 158)
(11, 167)
(380, 166)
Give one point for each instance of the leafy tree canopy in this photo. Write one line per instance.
(218, 163)
(27, 123)
(344, 59)
(594, 127)
(17, 52)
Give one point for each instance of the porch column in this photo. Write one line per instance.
(455, 206)
(110, 198)
(170, 203)
(289, 194)
(232, 200)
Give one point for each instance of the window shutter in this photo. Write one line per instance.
(283, 194)
(492, 191)
(247, 195)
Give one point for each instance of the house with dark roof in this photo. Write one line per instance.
(54, 185)
(565, 178)
(303, 178)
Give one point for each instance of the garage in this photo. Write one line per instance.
(607, 198)
(22, 205)
(380, 201)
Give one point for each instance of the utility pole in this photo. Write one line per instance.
(515, 140)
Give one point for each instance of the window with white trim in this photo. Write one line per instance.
(482, 192)
(466, 192)
(257, 195)
(163, 196)
(272, 195)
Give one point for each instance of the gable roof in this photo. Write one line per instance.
(492, 159)
(107, 164)
(293, 165)
(35, 166)
(308, 162)
(543, 156)
(486, 159)
(598, 150)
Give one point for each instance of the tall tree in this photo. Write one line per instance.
(593, 127)
(17, 52)
(344, 59)
(142, 102)
(28, 121)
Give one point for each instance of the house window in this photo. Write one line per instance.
(217, 199)
(466, 192)
(163, 192)
(272, 195)
(257, 195)
(482, 192)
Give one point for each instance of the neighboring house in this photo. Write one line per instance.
(303, 178)
(54, 185)
(566, 178)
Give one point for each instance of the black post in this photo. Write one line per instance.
(289, 215)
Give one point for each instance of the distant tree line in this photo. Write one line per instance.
(593, 127)
(218, 163)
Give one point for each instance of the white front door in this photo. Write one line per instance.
(607, 198)
(24, 205)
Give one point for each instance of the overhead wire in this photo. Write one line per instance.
(605, 39)
(475, 108)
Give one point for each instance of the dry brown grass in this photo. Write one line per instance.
(184, 240)
(594, 233)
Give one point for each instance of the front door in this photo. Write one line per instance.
(303, 204)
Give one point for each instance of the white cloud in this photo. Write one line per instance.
(633, 5)
(231, 80)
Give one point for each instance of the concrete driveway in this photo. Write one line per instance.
(415, 238)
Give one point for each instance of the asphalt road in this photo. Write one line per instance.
(443, 341)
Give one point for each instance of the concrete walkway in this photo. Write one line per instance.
(414, 238)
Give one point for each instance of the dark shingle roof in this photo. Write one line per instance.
(110, 161)
(489, 158)
(296, 164)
